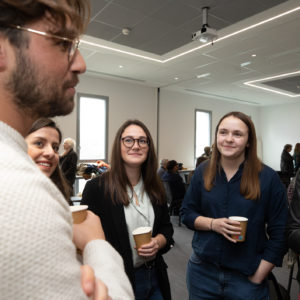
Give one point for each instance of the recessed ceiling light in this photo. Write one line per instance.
(120, 66)
(246, 63)
(253, 55)
(203, 75)
(176, 78)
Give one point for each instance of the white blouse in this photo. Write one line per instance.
(138, 215)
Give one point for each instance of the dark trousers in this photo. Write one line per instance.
(146, 284)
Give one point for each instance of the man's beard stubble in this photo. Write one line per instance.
(36, 96)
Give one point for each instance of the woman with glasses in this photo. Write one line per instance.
(234, 182)
(128, 196)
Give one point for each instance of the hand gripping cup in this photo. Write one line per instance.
(242, 236)
(79, 213)
(142, 236)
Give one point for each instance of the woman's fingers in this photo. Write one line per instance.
(227, 227)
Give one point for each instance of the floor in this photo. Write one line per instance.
(178, 256)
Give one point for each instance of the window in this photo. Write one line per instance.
(92, 127)
(202, 131)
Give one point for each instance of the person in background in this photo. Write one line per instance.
(296, 157)
(43, 141)
(286, 161)
(234, 182)
(39, 68)
(68, 161)
(163, 167)
(176, 185)
(293, 223)
(128, 196)
(207, 152)
(200, 160)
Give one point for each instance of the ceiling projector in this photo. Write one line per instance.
(206, 34)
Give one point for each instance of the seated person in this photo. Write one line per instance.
(200, 159)
(163, 167)
(207, 152)
(176, 184)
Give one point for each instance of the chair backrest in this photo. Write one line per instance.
(168, 192)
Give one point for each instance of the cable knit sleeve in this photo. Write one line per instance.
(108, 266)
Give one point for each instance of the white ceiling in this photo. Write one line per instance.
(159, 47)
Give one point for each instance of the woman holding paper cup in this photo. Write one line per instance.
(230, 192)
(130, 195)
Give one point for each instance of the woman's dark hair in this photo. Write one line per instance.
(297, 148)
(287, 146)
(170, 165)
(250, 186)
(57, 176)
(116, 180)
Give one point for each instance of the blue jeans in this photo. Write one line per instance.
(146, 284)
(207, 281)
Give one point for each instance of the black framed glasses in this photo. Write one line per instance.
(72, 44)
(129, 141)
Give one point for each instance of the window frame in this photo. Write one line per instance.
(209, 112)
(100, 97)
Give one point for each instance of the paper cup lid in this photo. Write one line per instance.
(141, 230)
(78, 208)
(237, 218)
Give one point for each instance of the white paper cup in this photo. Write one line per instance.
(142, 236)
(243, 221)
(79, 213)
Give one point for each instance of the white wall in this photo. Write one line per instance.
(177, 122)
(275, 126)
(126, 101)
(280, 125)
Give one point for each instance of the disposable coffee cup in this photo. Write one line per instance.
(79, 213)
(142, 236)
(242, 236)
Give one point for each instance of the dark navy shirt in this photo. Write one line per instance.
(265, 236)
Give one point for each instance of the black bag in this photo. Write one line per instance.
(276, 290)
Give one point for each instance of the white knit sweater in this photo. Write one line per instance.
(37, 256)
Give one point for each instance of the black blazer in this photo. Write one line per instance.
(116, 233)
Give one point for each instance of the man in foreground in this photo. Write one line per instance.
(39, 68)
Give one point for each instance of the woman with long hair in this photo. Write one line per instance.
(131, 195)
(43, 140)
(296, 157)
(234, 182)
(68, 162)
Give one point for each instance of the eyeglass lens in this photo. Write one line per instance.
(129, 142)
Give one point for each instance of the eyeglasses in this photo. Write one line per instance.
(128, 142)
(71, 45)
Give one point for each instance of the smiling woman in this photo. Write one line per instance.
(233, 182)
(43, 141)
(128, 196)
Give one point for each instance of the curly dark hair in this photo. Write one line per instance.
(21, 12)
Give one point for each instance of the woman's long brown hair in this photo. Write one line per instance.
(57, 176)
(250, 186)
(116, 180)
